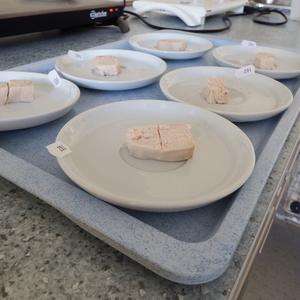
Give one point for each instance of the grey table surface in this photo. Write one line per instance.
(43, 255)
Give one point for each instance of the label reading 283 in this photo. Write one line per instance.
(245, 71)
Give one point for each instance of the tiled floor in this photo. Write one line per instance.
(276, 271)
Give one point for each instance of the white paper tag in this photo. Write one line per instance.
(58, 149)
(75, 55)
(54, 78)
(245, 71)
(248, 43)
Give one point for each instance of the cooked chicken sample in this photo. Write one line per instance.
(176, 142)
(3, 93)
(265, 61)
(20, 91)
(216, 91)
(171, 45)
(107, 66)
(172, 142)
(143, 142)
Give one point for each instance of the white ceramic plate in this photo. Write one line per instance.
(288, 63)
(197, 46)
(138, 69)
(223, 159)
(252, 98)
(50, 103)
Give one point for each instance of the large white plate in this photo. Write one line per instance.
(138, 69)
(50, 103)
(223, 160)
(288, 63)
(197, 46)
(252, 98)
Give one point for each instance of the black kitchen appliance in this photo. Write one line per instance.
(24, 16)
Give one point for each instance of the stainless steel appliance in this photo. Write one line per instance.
(23, 16)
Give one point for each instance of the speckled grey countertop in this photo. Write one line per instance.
(43, 255)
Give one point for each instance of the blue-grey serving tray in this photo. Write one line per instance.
(189, 247)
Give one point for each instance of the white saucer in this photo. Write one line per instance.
(49, 104)
(99, 163)
(197, 46)
(251, 98)
(138, 69)
(288, 63)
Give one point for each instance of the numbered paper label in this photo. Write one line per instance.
(245, 71)
(58, 149)
(248, 43)
(75, 55)
(54, 78)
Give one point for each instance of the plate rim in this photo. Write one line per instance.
(133, 42)
(161, 206)
(78, 79)
(73, 101)
(227, 113)
(263, 71)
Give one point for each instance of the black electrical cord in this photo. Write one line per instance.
(225, 18)
(260, 12)
(267, 12)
